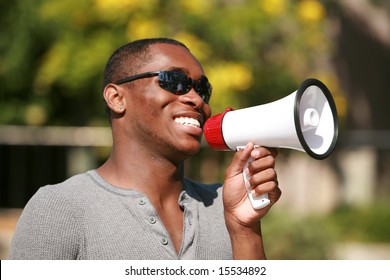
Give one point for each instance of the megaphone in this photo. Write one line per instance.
(305, 120)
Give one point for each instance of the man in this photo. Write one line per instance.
(138, 205)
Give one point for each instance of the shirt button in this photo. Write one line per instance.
(164, 241)
(152, 219)
(142, 201)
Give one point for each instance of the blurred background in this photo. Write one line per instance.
(53, 125)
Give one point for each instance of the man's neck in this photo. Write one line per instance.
(158, 178)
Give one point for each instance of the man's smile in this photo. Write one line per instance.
(188, 121)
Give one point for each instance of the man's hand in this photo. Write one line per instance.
(242, 220)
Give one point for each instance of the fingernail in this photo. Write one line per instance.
(247, 184)
(256, 153)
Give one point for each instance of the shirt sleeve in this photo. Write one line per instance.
(48, 228)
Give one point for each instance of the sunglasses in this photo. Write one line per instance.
(176, 82)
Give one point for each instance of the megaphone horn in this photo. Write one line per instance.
(305, 120)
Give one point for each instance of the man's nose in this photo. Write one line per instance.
(192, 98)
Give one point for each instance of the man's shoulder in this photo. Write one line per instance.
(73, 186)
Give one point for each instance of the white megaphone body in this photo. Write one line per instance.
(305, 120)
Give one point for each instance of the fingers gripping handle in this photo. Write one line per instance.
(260, 201)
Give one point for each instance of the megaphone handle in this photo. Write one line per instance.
(260, 201)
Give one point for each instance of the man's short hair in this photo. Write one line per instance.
(126, 60)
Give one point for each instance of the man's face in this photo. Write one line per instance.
(168, 124)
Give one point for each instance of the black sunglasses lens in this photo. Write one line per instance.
(179, 83)
(174, 82)
(203, 88)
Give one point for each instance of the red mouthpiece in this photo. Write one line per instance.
(213, 131)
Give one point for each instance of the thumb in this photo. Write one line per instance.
(239, 160)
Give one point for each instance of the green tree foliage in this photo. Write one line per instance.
(52, 53)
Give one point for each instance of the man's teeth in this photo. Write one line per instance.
(188, 121)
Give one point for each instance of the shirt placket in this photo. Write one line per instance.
(153, 224)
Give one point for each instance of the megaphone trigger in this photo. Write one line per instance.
(257, 202)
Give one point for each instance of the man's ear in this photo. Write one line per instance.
(113, 95)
